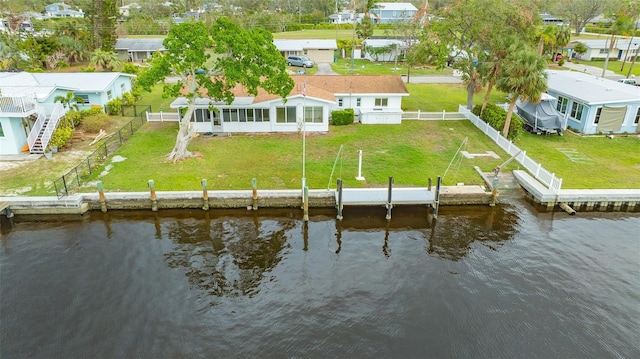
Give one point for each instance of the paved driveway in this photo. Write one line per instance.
(324, 68)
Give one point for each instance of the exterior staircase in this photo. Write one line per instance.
(43, 129)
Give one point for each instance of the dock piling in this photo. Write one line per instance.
(103, 202)
(254, 186)
(339, 204)
(205, 195)
(436, 202)
(389, 205)
(306, 204)
(154, 200)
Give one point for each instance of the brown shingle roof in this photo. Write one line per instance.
(326, 86)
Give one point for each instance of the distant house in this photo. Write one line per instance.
(383, 49)
(345, 17)
(548, 19)
(375, 99)
(29, 113)
(599, 49)
(125, 10)
(316, 50)
(138, 49)
(62, 10)
(595, 105)
(390, 12)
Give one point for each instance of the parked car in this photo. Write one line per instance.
(300, 61)
(629, 82)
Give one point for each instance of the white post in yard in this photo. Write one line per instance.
(360, 178)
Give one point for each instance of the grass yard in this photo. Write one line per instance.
(615, 66)
(587, 161)
(438, 97)
(366, 67)
(411, 152)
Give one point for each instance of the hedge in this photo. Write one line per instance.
(496, 116)
(342, 117)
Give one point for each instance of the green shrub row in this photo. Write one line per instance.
(495, 116)
(342, 117)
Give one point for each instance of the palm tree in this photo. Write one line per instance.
(621, 25)
(491, 69)
(107, 60)
(563, 36)
(74, 50)
(547, 38)
(524, 77)
(70, 101)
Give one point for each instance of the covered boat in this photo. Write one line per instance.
(542, 117)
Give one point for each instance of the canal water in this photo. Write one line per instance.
(479, 282)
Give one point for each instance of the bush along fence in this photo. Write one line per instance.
(70, 181)
(541, 174)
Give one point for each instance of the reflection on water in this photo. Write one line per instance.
(477, 282)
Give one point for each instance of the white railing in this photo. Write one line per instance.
(545, 177)
(57, 112)
(17, 104)
(163, 117)
(432, 116)
(37, 126)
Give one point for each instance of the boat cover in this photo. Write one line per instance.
(542, 115)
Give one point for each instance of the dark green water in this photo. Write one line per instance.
(503, 282)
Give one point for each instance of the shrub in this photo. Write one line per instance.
(129, 68)
(129, 98)
(74, 117)
(94, 110)
(114, 106)
(495, 116)
(561, 62)
(94, 123)
(88, 69)
(60, 136)
(342, 117)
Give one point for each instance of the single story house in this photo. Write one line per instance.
(383, 49)
(595, 105)
(138, 49)
(28, 109)
(598, 49)
(375, 99)
(57, 10)
(316, 50)
(390, 12)
(345, 17)
(125, 10)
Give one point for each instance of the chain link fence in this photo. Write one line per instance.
(72, 180)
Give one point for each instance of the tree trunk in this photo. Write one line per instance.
(408, 72)
(606, 56)
(185, 134)
(471, 88)
(507, 121)
(486, 97)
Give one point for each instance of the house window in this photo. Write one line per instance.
(122, 87)
(358, 102)
(598, 113)
(261, 114)
(286, 114)
(381, 102)
(340, 102)
(635, 122)
(2, 131)
(109, 95)
(85, 99)
(230, 115)
(201, 115)
(562, 104)
(576, 111)
(604, 51)
(313, 114)
(242, 115)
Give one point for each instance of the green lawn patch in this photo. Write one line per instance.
(438, 97)
(366, 67)
(411, 153)
(587, 161)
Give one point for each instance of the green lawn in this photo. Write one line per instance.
(615, 66)
(366, 67)
(320, 34)
(438, 97)
(411, 152)
(598, 161)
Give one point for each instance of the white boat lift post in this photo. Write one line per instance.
(360, 178)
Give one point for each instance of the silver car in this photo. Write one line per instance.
(300, 61)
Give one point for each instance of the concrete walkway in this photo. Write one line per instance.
(595, 71)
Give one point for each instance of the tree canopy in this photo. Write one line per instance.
(230, 56)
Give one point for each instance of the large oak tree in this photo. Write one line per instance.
(232, 56)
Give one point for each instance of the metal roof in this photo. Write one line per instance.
(42, 84)
(140, 45)
(590, 89)
(300, 45)
(620, 44)
(397, 6)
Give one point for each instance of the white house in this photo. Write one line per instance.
(598, 49)
(592, 104)
(125, 10)
(138, 49)
(57, 10)
(375, 99)
(316, 50)
(29, 113)
(390, 12)
(383, 49)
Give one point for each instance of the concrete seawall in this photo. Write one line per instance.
(82, 202)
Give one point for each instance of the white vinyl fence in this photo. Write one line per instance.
(535, 169)
(432, 116)
(163, 117)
